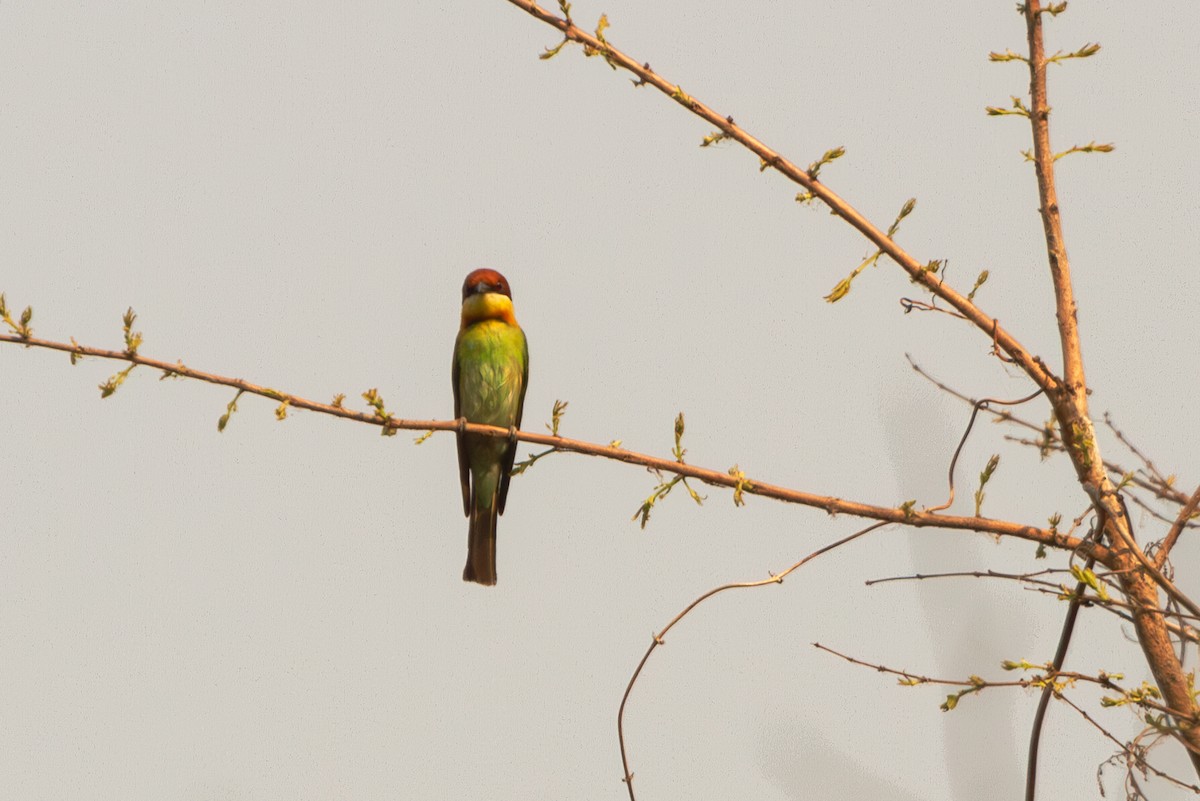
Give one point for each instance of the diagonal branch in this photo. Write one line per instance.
(1030, 364)
(1185, 514)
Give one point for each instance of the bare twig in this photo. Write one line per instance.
(985, 403)
(1185, 514)
(974, 684)
(1145, 460)
(1132, 755)
(1024, 577)
(1050, 438)
(1155, 574)
(658, 639)
(1180, 629)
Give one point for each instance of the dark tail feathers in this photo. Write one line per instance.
(481, 544)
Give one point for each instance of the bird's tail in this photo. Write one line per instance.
(481, 543)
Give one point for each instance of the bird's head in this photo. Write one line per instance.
(486, 296)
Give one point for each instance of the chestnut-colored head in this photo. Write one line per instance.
(486, 296)
(483, 281)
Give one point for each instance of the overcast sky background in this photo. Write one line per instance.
(292, 193)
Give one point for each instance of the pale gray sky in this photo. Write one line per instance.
(292, 193)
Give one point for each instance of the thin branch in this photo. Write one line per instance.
(1162, 581)
(985, 403)
(974, 684)
(1157, 515)
(1159, 477)
(1128, 751)
(1180, 629)
(904, 514)
(658, 639)
(912, 679)
(1185, 514)
(1051, 439)
(1060, 656)
(917, 270)
(1024, 577)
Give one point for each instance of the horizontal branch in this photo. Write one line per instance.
(903, 515)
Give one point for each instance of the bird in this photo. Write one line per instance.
(490, 373)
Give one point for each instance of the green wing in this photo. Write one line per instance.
(464, 467)
(511, 454)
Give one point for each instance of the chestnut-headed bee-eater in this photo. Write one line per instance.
(490, 373)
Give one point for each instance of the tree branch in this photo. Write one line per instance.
(901, 514)
(658, 639)
(1030, 364)
(1078, 432)
(1043, 161)
(1185, 514)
